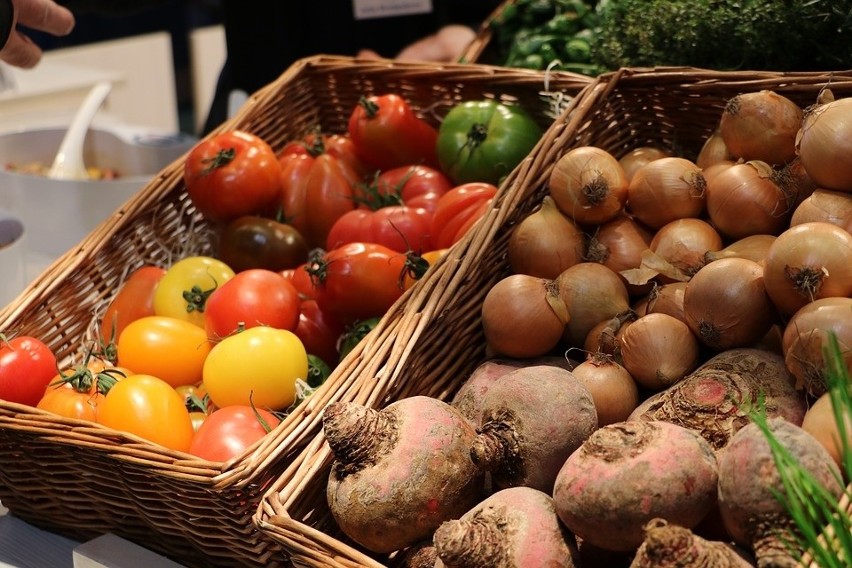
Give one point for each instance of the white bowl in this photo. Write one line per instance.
(57, 214)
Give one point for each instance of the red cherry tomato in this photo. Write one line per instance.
(232, 174)
(302, 280)
(319, 332)
(458, 210)
(252, 297)
(358, 281)
(388, 134)
(230, 431)
(27, 365)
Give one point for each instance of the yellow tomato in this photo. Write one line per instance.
(418, 270)
(258, 366)
(172, 349)
(183, 290)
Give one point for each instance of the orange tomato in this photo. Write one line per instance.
(135, 299)
(150, 408)
(418, 269)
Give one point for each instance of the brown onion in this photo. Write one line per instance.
(726, 305)
(523, 316)
(613, 390)
(593, 293)
(638, 157)
(713, 152)
(808, 262)
(666, 190)
(589, 185)
(605, 337)
(745, 200)
(761, 125)
(545, 243)
(683, 244)
(795, 181)
(825, 206)
(667, 299)
(712, 171)
(753, 247)
(805, 337)
(658, 351)
(618, 245)
(821, 423)
(823, 145)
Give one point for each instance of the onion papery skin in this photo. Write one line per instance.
(685, 242)
(545, 243)
(745, 200)
(638, 157)
(667, 299)
(614, 392)
(825, 206)
(726, 304)
(805, 338)
(665, 190)
(753, 247)
(618, 245)
(808, 262)
(823, 145)
(523, 316)
(589, 185)
(713, 152)
(761, 125)
(658, 351)
(592, 293)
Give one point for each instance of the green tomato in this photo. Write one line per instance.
(484, 140)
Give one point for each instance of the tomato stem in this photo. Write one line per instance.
(196, 298)
(221, 159)
(477, 134)
(371, 109)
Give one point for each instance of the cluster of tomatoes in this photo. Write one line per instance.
(314, 243)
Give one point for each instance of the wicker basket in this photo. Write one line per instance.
(82, 480)
(431, 346)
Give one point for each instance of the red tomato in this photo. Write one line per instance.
(301, 279)
(319, 332)
(388, 134)
(230, 431)
(337, 145)
(400, 228)
(27, 366)
(252, 297)
(316, 189)
(358, 281)
(458, 210)
(232, 174)
(134, 300)
(415, 186)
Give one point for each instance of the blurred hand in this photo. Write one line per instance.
(447, 44)
(43, 15)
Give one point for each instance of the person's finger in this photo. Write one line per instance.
(46, 16)
(20, 51)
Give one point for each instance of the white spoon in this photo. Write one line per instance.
(68, 163)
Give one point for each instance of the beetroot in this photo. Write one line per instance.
(748, 478)
(671, 546)
(399, 472)
(514, 528)
(714, 399)
(532, 419)
(628, 473)
(469, 397)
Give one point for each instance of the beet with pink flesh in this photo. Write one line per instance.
(752, 514)
(513, 528)
(533, 418)
(672, 546)
(714, 399)
(628, 473)
(399, 472)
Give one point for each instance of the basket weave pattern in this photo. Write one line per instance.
(81, 479)
(430, 346)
